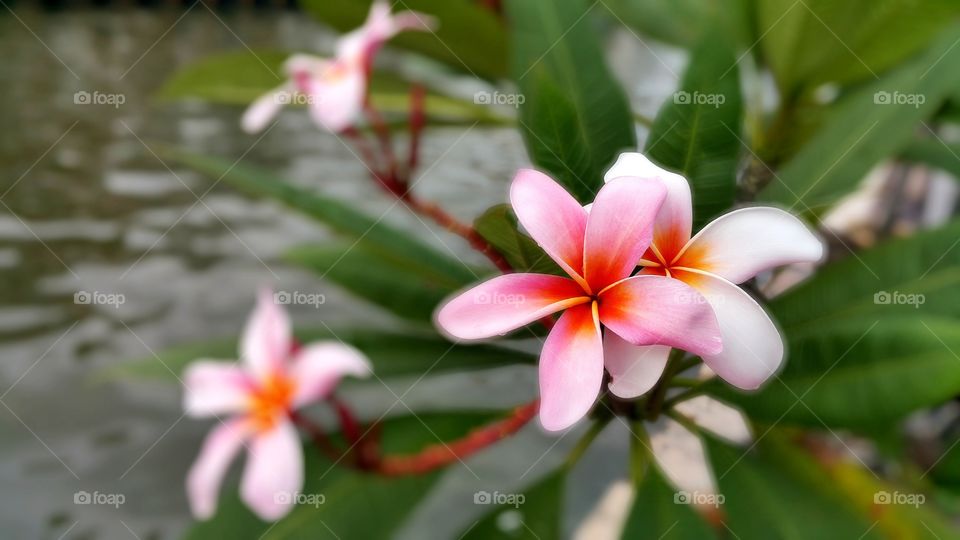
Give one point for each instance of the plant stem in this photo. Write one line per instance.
(417, 119)
(317, 436)
(439, 455)
(585, 441)
(638, 451)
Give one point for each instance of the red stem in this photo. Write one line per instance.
(439, 455)
(417, 120)
(316, 434)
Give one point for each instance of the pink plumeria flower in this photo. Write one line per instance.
(259, 393)
(599, 251)
(334, 89)
(729, 250)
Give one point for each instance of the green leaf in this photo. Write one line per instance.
(679, 22)
(696, 131)
(539, 517)
(391, 355)
(772, 491)
(238, 78)
(468, 38)
(933, 153)
(655, 513)
(575, 118)
(498, 226)
(866, 127)
(870, 338)
(815, 41)
(355, 504)
(376, 236)
(373, 278)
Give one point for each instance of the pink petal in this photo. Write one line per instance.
(336, 97)
(273, 475)
(619, 229)
(752, 346)
(675, 220)
(414, 20)
(633, 369)
(571, 368)
(214, 387)
(265, 344)
(206, 473)
(745, 242)
(506, 303)
(718, 418)
(682, 457)
(262, 111)
(318, 367)
(552, 217)
(657, 310)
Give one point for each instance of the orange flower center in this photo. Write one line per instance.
(270, 401)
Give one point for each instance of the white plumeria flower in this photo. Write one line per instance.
(259, 394)
(334, 89)
(729, 250)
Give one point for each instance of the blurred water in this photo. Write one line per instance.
(87, 207)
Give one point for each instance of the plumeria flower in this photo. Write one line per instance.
(729, 250)
(598, 251)
(334, 89)
(259, 394)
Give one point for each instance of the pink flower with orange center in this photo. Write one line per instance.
(599, 251)
(259, 394)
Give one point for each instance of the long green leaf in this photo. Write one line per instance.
(934, 153)
(575, 118)
(656, 513)
(535, 515)
(696, 131)
(498, 226)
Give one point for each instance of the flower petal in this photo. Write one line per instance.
(619, 229)
(657, 310)
(266, 342)
(273, 475)
(318, 367)
(213, 387)
(571, 368)
(682, 457)
(206, 473)
(336, 96)
(506, 303)
(264, 108)
(717, 417)
(552, 217)
(675, 220)
(633, 369)
(745, 242)
(752, 346)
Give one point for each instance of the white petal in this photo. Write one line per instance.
(266, 341)
(745, 242)
(718, 418)
(213, 387)
(319, 366)
(682, 457)
(206, 474)
(274, 472)
(336, 100)
(264, 108)
(633, 369)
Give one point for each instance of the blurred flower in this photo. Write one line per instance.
(259, 393)
(334, 89)
(598, 250)
(729, 250)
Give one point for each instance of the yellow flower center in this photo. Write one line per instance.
(271, 401)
